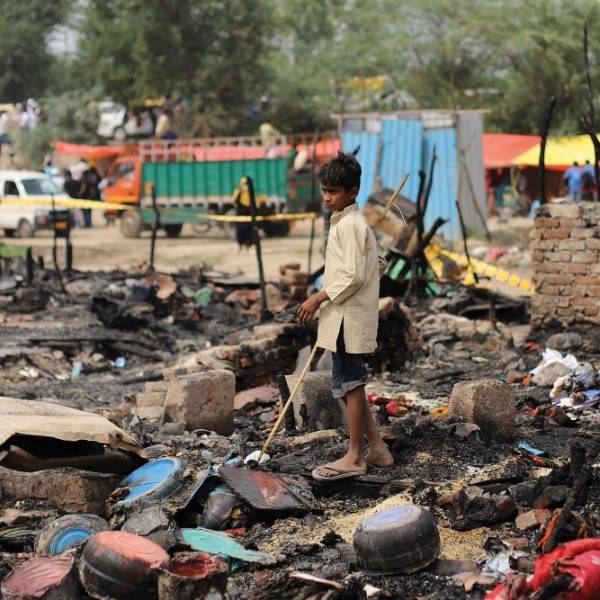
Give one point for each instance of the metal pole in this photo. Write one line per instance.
(313, 187)
(155, 227)
(256, 239)
(54, 235)
(542, 163)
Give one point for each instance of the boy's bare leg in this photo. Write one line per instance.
(379, 455)
(354, 459)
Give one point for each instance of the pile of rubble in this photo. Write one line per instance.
(147, 492)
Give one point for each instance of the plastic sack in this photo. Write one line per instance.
(580, 558)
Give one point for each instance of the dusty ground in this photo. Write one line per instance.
(104, 248)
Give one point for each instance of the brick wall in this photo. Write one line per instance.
(565, 247)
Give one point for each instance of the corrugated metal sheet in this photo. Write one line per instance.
(401, 153)
(367, 156)
(407, 143)
(443, 190)
(471, 182)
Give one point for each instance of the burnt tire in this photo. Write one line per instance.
(173, 230)
(131, 224)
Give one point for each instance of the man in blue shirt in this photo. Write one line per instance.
(572, 179)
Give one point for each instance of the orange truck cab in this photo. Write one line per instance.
(124, 181)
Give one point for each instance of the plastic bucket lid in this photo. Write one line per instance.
(153, 481)
(68, 531)
(68, 538)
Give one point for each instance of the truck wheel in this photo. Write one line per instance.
(276, 228)
(173, 230)
(131, 224)
(25, 229)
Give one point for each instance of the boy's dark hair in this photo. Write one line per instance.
(341, 171)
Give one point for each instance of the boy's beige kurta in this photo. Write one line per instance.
(351, 280)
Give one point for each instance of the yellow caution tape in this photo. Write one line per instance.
(67, 203)
(478, 266)
(100, 205)
(247, 219)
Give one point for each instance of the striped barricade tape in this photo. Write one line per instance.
(478, 266)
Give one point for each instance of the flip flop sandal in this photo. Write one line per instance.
(341, 474)
(380, 468)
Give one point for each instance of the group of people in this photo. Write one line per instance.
(82, 181)
(580, 181)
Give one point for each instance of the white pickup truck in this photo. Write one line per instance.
(23, 220)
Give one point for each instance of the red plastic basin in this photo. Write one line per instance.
(118, 564)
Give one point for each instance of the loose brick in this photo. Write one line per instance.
(585, 257)
(535, 234)
(150, 398)
(202, 400)
(565, 312)
(561, 233)
(70, 490)
(488, 403)
(532, 519)
(591, 311)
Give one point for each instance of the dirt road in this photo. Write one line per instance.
(104, 248)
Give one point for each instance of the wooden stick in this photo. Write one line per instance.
(288, 403)
(391, 201)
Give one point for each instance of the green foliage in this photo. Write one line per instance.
(212, 52)
(508, 56)
(25, 60)
(71, 116)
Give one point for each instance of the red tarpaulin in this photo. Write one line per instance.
(500, 149)
(93, 151)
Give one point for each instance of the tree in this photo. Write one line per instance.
(209, 51)
(25, 60)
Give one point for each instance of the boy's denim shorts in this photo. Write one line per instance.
(349, 370)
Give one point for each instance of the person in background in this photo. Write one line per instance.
(241, 202)
(4, 125)
(572, 179)
(589, 168)
(90, 190)
(164, 126)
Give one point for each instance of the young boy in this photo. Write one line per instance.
(349, 314)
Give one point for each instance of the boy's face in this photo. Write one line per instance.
(336, 198)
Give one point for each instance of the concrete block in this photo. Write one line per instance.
(150, 399)
(488, 403)
(314, 405)
(532, 519)
(152, 414)
(70, 490)
(155, 386)
(202, 400)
